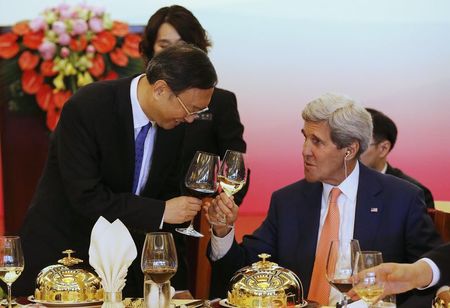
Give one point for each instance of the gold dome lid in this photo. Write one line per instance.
(64, 283)
(265, 284)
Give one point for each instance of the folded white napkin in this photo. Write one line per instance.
(111, 252)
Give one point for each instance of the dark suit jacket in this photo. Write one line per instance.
(400, 229)
(216, 131)
(441, 257)
(89, 173)
(429, 201)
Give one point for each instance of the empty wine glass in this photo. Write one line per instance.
(201, 182)
(232, 177)
(339, 268)
(159, 263)
(365, 281)
(11, 261)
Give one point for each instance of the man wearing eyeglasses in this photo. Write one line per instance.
(112, 155)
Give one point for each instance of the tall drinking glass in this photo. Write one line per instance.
(232, 177)
(365, 281)
(159, 263)
(339, 268)
(11, 261)
(200, 182)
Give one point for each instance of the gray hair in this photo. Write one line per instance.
(348, 121)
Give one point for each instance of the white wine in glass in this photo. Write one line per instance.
(232, 176)
(365, 281)
(11, 261)
(339, 268)
(159, 263)
(200, 182)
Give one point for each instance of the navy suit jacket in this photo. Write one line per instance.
(400, 228)
(441, 256)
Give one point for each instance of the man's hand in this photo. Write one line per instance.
(399, 278)
(221, 207)
(181, 209)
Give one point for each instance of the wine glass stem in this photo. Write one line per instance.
(191, 225)
(345, 301)
(9, 295)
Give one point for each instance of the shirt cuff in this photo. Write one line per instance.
(436, 273)
(221, 245)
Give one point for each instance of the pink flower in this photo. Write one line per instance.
(47, 50)
(63, 7)
(65, 52)
(65, 13)
(96, 24)
(90, 49)
(38, 24)
(97, 10)
(64, 39)
(59, 27)
(79, 26)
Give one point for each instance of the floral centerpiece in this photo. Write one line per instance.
(47, 59)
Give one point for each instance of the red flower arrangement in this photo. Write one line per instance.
(47, 59)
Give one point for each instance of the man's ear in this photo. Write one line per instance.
(384, 147)
(160, 89)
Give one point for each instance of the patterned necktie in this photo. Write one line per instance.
(319, 289)
(139, 153)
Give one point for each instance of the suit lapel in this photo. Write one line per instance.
(125, 132)
(369, 209)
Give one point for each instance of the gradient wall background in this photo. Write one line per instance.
(278, 55)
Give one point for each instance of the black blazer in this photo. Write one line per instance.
(89, 173)
(399, 227)
(217, 130)
(429, 201)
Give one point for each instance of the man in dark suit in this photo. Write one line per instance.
(382, 212)
(92, 169)
(383, 141)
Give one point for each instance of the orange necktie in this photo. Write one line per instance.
(319, 289)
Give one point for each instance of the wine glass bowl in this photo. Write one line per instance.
(365, 281)
(339, 268)
(200, 182)
(232, 176)
(159, 262)
(11, 261)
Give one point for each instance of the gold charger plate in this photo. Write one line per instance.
(225, 303)
(89, 304)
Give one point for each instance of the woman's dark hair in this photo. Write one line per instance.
(184, 22)
(183, 66)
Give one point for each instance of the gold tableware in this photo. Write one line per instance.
(265, 284)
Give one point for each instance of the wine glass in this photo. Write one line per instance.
(200, 182)
(232, 176)
(339, 266)
(11, 261)
(159, 263)
(365, 281)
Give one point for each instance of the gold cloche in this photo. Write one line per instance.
(265, 284)
(63, 283)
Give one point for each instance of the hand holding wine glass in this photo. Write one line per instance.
(232, 177)
(159, 263)
(339, 268)
(11, 261)
(201, 182)
(366, 283)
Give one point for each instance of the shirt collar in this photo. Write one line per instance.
(139, 117)
(349, 187)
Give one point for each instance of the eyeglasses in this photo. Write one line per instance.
(189, 113)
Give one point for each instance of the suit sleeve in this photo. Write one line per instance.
(441, 256)
(80, 165)
(421, 234)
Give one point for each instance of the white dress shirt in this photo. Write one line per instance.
(140, 120)
(347, 207)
